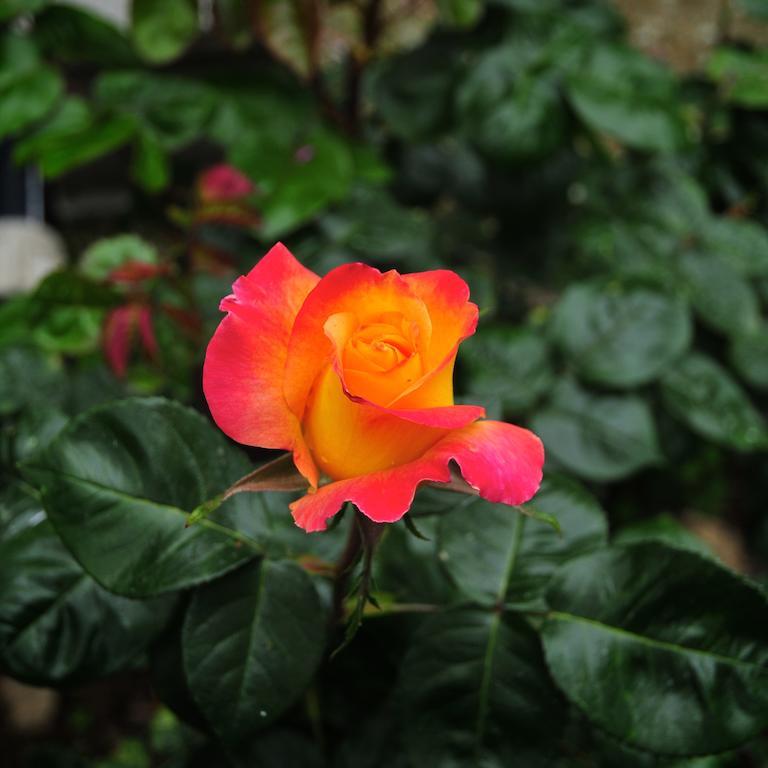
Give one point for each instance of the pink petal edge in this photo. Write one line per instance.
(501, 461)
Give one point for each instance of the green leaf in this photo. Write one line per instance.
(56, 624)
(629, 96)
(620, 338)
(11, 8)
(460, 13)
(118, 484)
(20, 366)
(73, 35)
(67, 288)
(749, 353)
(473, 691)
(151, 166)
(598, 437)
(295, 190)
(723, 299)
(493, 553)
(413, 91)
(28, 99)
(510, 364)
(162, 31)
(740, 243)
(703, 395)
(663, 649)
(741, 75)
(252, 642)
(664, 529)
(104, 256)
(508, 113)
(18, 56)
(175, 110)
(73, 137)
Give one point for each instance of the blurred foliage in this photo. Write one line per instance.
(611, 218)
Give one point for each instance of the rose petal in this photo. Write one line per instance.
(245, 360)
(441, 412)
(501, 461)
(454, 318)
(350, 288)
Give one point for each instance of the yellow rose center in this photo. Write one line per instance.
(380, 358)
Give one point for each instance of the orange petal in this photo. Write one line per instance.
(501, 461)
(351, 288)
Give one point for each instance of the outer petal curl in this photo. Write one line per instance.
(245, 361)
(501, 461)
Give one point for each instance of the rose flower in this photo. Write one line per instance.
(353, 373)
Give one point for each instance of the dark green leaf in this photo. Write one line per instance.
(72, 34)
(74, 137)
(413, 91)
(251, 643)
(56, 623)
(473, 690)
(20, 366)
(662, 648)
(506, 112)
(161, 31)
(11, 8)
(510, 364)
(741, 243)
(620, 338)
(702, 393)
(597, 437)
(495, 554)
(28, 99)
(664, 529)
(118, 484)
(723, 299)
(749, 353)
(175, 109)
(629, 96)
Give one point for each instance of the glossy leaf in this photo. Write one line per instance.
(703, 395)
(495, 554)
(661, 648)
(597, 437)
(251, 644)
(119, 482)
(56, 624)
(468, 675)
(512, 365)
(620, 338)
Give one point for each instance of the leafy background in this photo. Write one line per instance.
(608, 208)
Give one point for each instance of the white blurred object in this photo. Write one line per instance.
(117, 11)
(29, 250)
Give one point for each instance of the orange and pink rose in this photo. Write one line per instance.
(353, 373)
